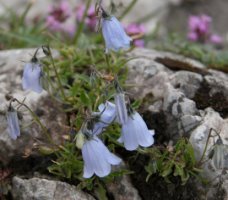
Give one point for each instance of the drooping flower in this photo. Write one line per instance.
(135, 133)
(105, 116)
(134, 29)
(121, 108)
(97, 158)
(114, 34)
(31, 79)
(13, 123)
(219, 155)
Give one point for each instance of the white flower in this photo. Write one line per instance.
(13, 124)
(31, 79)
(106, 115)
(135, 133)
(121, 109)
(114, 34)
(97, 158)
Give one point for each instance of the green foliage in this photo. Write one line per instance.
(16, 33)
(68, 164)
(178, 161)
(206, 54)
(80, 78)
(87, 82)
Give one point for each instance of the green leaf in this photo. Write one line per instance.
(101, 192)
(167, 170)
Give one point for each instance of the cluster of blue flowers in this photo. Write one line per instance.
(97, 158)
(134, 133)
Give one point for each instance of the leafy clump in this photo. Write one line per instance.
(177, 161)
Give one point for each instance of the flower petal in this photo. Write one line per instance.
(13, 124)
(145, 138)
(88, 163)
(121, 109)
(114, 34)
(135, 133)
(31, 77)
(97, 158)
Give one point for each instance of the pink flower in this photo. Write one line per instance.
(58, 18)
(139, 43)
(192, 36)
(199, 30)
(90, 19)
(216, 39)
(136, 29)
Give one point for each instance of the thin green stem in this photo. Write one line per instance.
(107, 61)
(57, 75)
(82, 23)
(205, 148)
(128, 9)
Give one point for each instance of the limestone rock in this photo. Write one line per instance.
(122, 189)
(10, 80)
(43, 189)
(190, 103)
(187, 82)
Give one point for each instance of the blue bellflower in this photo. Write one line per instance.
(106, 115)
(135, 133)
(13, 123)
(114, 34)
(31, 79)
(121, 109)
(219, 155)
(97, 158)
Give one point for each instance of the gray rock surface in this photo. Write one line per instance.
(36, 188)
(187, 101)
(43, 189)
(122, 189)
(191, 103)
(10, 80)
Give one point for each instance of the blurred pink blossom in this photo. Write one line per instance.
(59, 17)
(199, 30)
(192, 36)
(136, 29)
(90, 19)
(216, 39)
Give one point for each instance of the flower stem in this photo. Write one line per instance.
(128, 9)
(205, 148)
(57, 75)
(108, 62)
(81, 24)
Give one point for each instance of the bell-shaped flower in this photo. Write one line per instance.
(219, 155)
(121, 108)
(13, 123)
(31, 79)
(135, 133)
(97, 158)
(105, 116)
(114, 34)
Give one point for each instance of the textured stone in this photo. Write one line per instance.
(43, 189)
(10, 80)
(187, 82)
(122, 189)
(177, 97)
